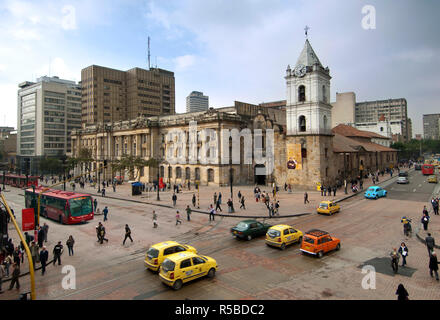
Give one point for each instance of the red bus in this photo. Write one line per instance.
(62, 206)
(19, 181)
(427, 169)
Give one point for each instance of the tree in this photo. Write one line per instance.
(133, 165)
(51, 166)
(416, 148)
(84, 158)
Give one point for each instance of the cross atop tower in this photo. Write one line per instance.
(306, 29)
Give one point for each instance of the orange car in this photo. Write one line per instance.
(318, 242)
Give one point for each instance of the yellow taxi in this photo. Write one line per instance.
(183, 267)
(159, 251)
(328, 207)
(432, 179)
(282, 235)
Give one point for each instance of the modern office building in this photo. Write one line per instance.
(197, 102)
(431, 126)
(47, 111)
(110, 95)
(367, 115)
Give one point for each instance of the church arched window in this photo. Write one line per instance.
(301, 93)
(302, 123)
(325, 122)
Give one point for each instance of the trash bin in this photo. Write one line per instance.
(136, 188)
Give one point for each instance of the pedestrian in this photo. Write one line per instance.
(242, 203)
(188, 213)
(433, 265)
(430, 243)
(403, 250)
(239, 195)
(127, 234)
(69, 243)
(217, 206)
(8, 262)
(28, 238)
(401, 292)
(114, 187)
(34, 253)
(15, 276)
(154, 219)
(229, 203)
(334, 191)
(277, 207)
(102, 234)
(215, 197)
(220, 197)
(306, 198)
(322, 189)
(57, 251)
(103, 192)
(46, 231)
(16, 255)
(178, 221)
(40, 237)
(194, 199)
(425, 221)
(325, 191)
(105, 212)
(95, 203)
(98, 231)
(394, 260)
(2, 275)
(211, 213)
(174, 198)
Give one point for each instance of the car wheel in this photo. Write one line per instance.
(283, 246)
(320, 254)
(376, 197)
(211, 273)
(338, 246)
(177, 284)
(249, 237)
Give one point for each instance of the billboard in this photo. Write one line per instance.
(27, 219)
(294, 159)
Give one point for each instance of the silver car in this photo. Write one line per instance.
(402, 180)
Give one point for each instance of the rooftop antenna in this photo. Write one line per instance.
(148, 53)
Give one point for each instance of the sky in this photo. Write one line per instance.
(228, 49)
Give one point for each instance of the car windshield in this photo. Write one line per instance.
(168, 265)
(242, 226)
(80, 206)
(309, 240)
(152, 253)
(323, 205)
(273, 233)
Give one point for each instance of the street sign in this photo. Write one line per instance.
(28, 219)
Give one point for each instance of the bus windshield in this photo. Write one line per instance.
(80, 206)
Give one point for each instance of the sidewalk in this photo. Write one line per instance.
(434, 223)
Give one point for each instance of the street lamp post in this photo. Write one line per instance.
(158, 178)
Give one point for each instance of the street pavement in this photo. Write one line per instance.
(368, 230)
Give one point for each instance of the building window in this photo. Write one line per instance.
(197, 172)
(178, 172)
(210, 175)
(187, 173)
(301, 93)
(381, 129)
(324, 94)
(325, 122)
(302, 123)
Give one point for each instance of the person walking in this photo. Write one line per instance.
(105, 212)
(194, 200)
(215, 197)
(16, 255)
(306, 198)
(34, 253)
(69, 243)
(394, 260)
(127, 234)
(430, 243)
(178, 221)
(188, 213)
(242, 205)
(220, 198)
(403, 250)
(239, 195)
(40, 237)
(102, 234)
(211, 213)
(334, 191)
(154, 219)
(15, 276)
(95, 204)
(217, 206)
(46, 231)
(229, 203)
(57, 251)
(174, 198)
(8, 262)
(433, 265)
(103, 192)
(425, 221)
(401, 293)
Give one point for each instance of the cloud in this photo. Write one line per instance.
(420, 55)
(184, 62)
(68, 22)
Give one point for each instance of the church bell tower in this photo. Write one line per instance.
(309, 141)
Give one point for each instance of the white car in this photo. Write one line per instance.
(402, 180)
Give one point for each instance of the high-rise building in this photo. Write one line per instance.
(47, 111)
(110, 95)
(431, 126)
(410, 130)
(196, 102)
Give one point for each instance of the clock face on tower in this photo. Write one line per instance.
(300, 71)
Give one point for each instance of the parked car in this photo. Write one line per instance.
(183, 267)
(328, 207)
(318, 242)
(432, 179)
(283, 235)
(159, 251)
(248, 229)
(402, 180)
(375, 192)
